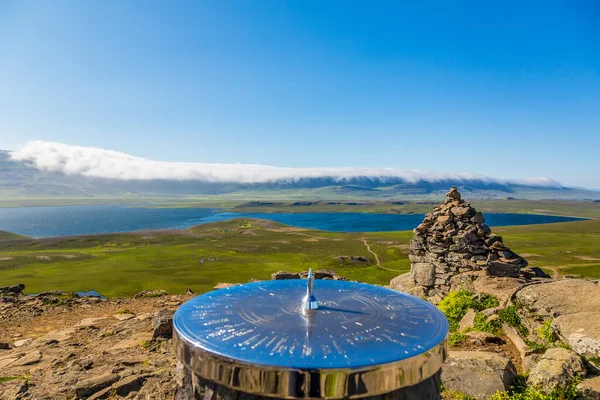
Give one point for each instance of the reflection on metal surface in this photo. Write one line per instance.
(363, 340)
(309, 302)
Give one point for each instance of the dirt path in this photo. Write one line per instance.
(554, 271)
(376, 257)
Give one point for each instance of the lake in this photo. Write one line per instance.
(42, 222)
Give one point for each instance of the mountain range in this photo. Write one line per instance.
(24, 178)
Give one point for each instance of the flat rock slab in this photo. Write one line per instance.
(54, 336)
(124, 316)
(31, 358)
(88, 386)
(478, 374)
(134, 341)
(22, 342)
(89, 322)
(581, 331)
(568, 296)
(6, 361)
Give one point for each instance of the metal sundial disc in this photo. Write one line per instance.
(260, 338)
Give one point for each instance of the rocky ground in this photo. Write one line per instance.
(60, 346)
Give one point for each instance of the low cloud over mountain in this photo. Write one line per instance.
(107, 164)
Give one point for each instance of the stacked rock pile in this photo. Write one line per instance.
(453, 238)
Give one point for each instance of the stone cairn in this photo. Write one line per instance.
(452, 239)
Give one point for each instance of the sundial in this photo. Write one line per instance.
(300, 338)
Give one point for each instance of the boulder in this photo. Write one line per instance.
(580, 331)
(151, 293)
(284, 275)
(477, 374)
(15, 289)
(405, 283)
(589, 388)
(550, 300)
(162, 324)
(499, 268)
(423, 274)
(557, 368)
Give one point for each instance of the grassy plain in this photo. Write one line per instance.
(199, 258)
(239, 250)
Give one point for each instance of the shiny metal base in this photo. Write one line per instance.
(191, 386)
(277, 382)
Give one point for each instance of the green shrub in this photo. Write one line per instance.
(456, 338)
(483, 325)
(455, 395)
(510, 316)
(487, 301)
(455, 305)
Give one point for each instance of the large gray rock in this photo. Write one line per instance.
(567, 296)
(499, 268)
(478, 374)
(284, 275)
(581, 331)
(163, 324)
(557, 368)
(405, 283)
(423, 273)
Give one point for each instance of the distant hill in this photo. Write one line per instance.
(11, 236)
(20, 179)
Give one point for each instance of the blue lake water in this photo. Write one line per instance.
(80, 220)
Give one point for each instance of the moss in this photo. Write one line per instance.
(482, 324)
(535, 346)
(455, 305)
(456, 338)
(510, 316)
(488, 301)
(546, 333)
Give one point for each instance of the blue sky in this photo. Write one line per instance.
(505, 89)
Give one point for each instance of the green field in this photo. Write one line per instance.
(569, 248)
(240, 250)
(124, 264)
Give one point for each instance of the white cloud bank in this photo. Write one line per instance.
(108, 164)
